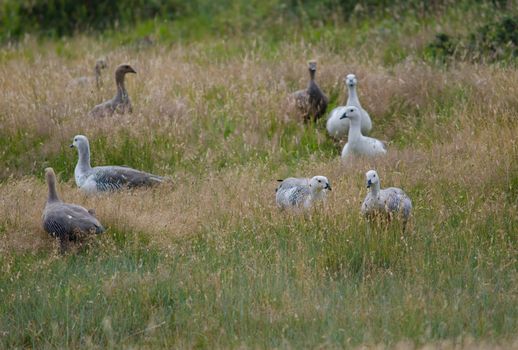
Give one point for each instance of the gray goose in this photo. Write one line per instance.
(121, 102)
(100, 64)
(106, 178)
(388, 202)
(67, 222)
(311, 102)
(301, 192)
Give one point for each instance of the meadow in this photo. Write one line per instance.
(207, 260)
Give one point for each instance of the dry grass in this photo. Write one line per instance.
(464, 143)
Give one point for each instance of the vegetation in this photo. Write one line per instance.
(208, 261)
(493, 42)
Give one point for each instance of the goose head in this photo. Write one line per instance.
(350, 80)
(80, 142)
(319, 183)
(100, 64)
(312, 66)
(351, 112)
(372, 178)
(125, 68)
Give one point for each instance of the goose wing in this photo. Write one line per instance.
(292, 192)
(394, 200)
(116, 177)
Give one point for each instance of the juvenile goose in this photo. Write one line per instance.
(357, 144)
(387, 202)
(106, 178)
(337, 128)
(100, 64)
(311, 103)
(301, 192)
(121, 102)
(67, 222)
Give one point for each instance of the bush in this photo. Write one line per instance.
(58, 18)
(493, 42)
(65, 17)
(442, 47)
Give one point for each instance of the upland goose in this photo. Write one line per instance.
(106, 178)
(100, 64)
(67, 222)
(357, 144)
(311, 103)
(338, 128)
(388, 202)
(301, 192)
(121, 102)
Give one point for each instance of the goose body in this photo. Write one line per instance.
(311, 103)
(357, 144)
(120, 103)
(301, 192)
(337, 128)
(388, 202)
(66, 221)
(106, 178)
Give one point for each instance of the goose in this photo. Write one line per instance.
(301, 192)
(338, 129)
(121, 102)
(311, 102)
(100, 64)
(67, 222)
(387, 202)
(106, 178)
(357, 144)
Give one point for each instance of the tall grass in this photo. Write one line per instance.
(208, 261)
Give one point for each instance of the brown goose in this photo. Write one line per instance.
(121, 102)
(311, 102)
(100, 64)
(67, 222)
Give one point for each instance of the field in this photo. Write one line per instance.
(208, 261)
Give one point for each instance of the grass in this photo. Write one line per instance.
(209, 261)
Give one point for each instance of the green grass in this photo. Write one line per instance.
(303, 283)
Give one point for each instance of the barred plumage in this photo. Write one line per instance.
(301, 192)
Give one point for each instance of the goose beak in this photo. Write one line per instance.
(132, 70)
(72, 145)
(344, 116)
(328, 187)
(369, 183)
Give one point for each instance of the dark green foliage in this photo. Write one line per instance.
(495, 41)
(58, 18)
(442, 47)
(65, 17)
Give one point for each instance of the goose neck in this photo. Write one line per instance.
(121, 88)
(83, 162)
(97, 75)
(353, 96)
(375, 189)
(354, 130)
(53, 194)
(312, 75)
